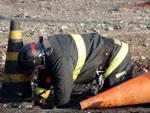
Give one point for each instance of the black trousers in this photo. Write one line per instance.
(121, 74)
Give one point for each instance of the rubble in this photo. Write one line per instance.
(48, 17)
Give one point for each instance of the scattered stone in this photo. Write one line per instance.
(64, 27)
(110, 28)
(2, 57)
(26, 105)
(104, 26)
(143, 58)
(27, 15)
(5, 105)
(82, 24)
(142, 26)
(48, 17)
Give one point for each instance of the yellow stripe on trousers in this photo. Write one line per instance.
(117, 60)
(81, 48)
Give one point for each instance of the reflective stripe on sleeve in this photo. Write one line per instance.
(117, 60)
(81, 49)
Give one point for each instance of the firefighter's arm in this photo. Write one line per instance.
(63, 81)
(40, 95)
(43, 84)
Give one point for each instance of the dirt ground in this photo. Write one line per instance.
(127, 20)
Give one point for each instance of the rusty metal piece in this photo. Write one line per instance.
(145, 4)
(128, 8)
(1, 1)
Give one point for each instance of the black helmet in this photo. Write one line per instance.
(32, 55)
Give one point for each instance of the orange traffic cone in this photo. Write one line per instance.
(131, 92)
(16, 85)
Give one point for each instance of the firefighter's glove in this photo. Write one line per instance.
(41, 95)
(42, 92)
(100, 81)
(54, 107)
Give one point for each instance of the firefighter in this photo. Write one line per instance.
(65, 59)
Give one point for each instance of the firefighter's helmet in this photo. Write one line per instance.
(31, 56)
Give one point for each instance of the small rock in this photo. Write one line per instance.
(142, 26)
(147, 11)
(82, 24)
(2, 57)
(5, 105)
(104, 26)
(20, 10)
(27, 15)
(110, 28)
(148, 26)
(121, 22)
(98, 26)
(142, 57)
(64, 27)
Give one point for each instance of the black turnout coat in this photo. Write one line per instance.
(61, 63)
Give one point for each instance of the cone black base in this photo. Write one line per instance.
(10, 92)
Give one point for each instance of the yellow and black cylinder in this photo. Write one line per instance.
(15, 85)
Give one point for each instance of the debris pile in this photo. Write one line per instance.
(48, 17)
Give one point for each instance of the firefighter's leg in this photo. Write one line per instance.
(122, 73)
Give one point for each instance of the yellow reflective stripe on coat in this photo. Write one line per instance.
(42, 90)
(81, 49)
(117, 60)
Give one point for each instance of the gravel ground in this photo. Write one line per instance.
(121, 19)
